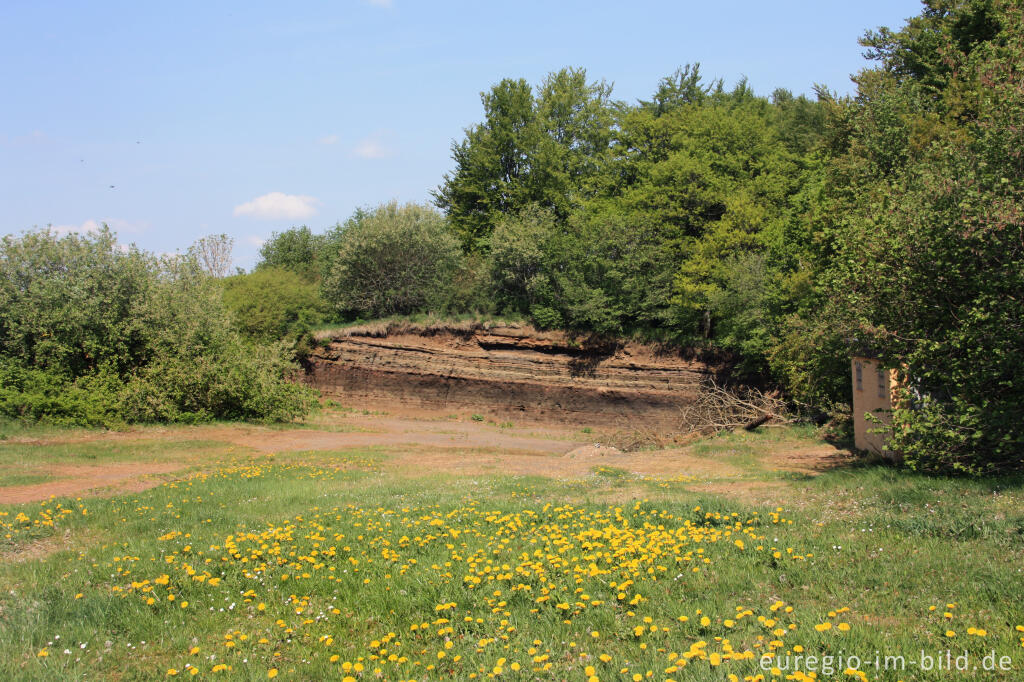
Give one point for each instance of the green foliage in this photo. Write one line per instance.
(40, 395)
(675, 200)
(72, 304)
(810, 357)
(929, 261)
(239, 381)
(273, 303)
(555, 273)
(91, 334)
(530, 149)
(395, 260)
(684, 86)
(297, 250)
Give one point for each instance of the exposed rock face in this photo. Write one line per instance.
(507, 372)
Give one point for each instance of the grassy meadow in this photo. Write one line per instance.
(337, 565)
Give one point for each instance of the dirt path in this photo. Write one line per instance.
(77, 479)
(576, 463)
(416, 445)
(396, 432)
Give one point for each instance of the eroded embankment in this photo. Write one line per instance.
(510, 371)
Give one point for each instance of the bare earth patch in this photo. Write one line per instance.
(806, 457)
(40, 548)
(419, 446)
(75, 480)
(748, 491)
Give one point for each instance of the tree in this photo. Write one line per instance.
(213, 253)
(395, 260)
(684, 86)
(296, 249)
(70, 304)
(273, 303)
(929, 249)
(529, 149)
(492, 163)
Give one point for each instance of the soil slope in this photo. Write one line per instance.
(513, 372)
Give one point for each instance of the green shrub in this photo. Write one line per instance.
(91, 334)
(34, 394)
(297, 250)
(274, 303)
(241, 381)
(394, 260)
(561, 275)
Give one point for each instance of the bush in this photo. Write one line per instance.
(32, 394)
(71, 304)
(520, 264)
(300, 251)
(273, 303)
(394, 260)
(241, 381)
(91, 334)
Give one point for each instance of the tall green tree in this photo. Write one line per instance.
(538, 149)
(929, 249)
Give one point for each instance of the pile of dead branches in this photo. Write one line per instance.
(720, 408)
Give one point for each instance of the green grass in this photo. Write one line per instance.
(611, 472)
(98, 452)
(16, 428)
(342, 553)
(465, 320)
(11, 476)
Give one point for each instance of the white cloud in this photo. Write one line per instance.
(374, 146)
(115, 224)
(278, 205)
(255, 240)
(328, 139)
(85, 228)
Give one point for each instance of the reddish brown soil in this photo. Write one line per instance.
(512, 372)
(76, 479)
(392, 431)
(430, 383)
(565, 465)
(415, 447)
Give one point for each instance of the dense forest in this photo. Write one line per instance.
(784, 231)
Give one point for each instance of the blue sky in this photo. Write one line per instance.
(171, 121)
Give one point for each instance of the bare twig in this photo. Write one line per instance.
(718, 408)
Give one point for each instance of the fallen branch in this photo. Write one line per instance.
(717, 408)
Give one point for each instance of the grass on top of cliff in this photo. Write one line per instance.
(323, 564)
(417, 324)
